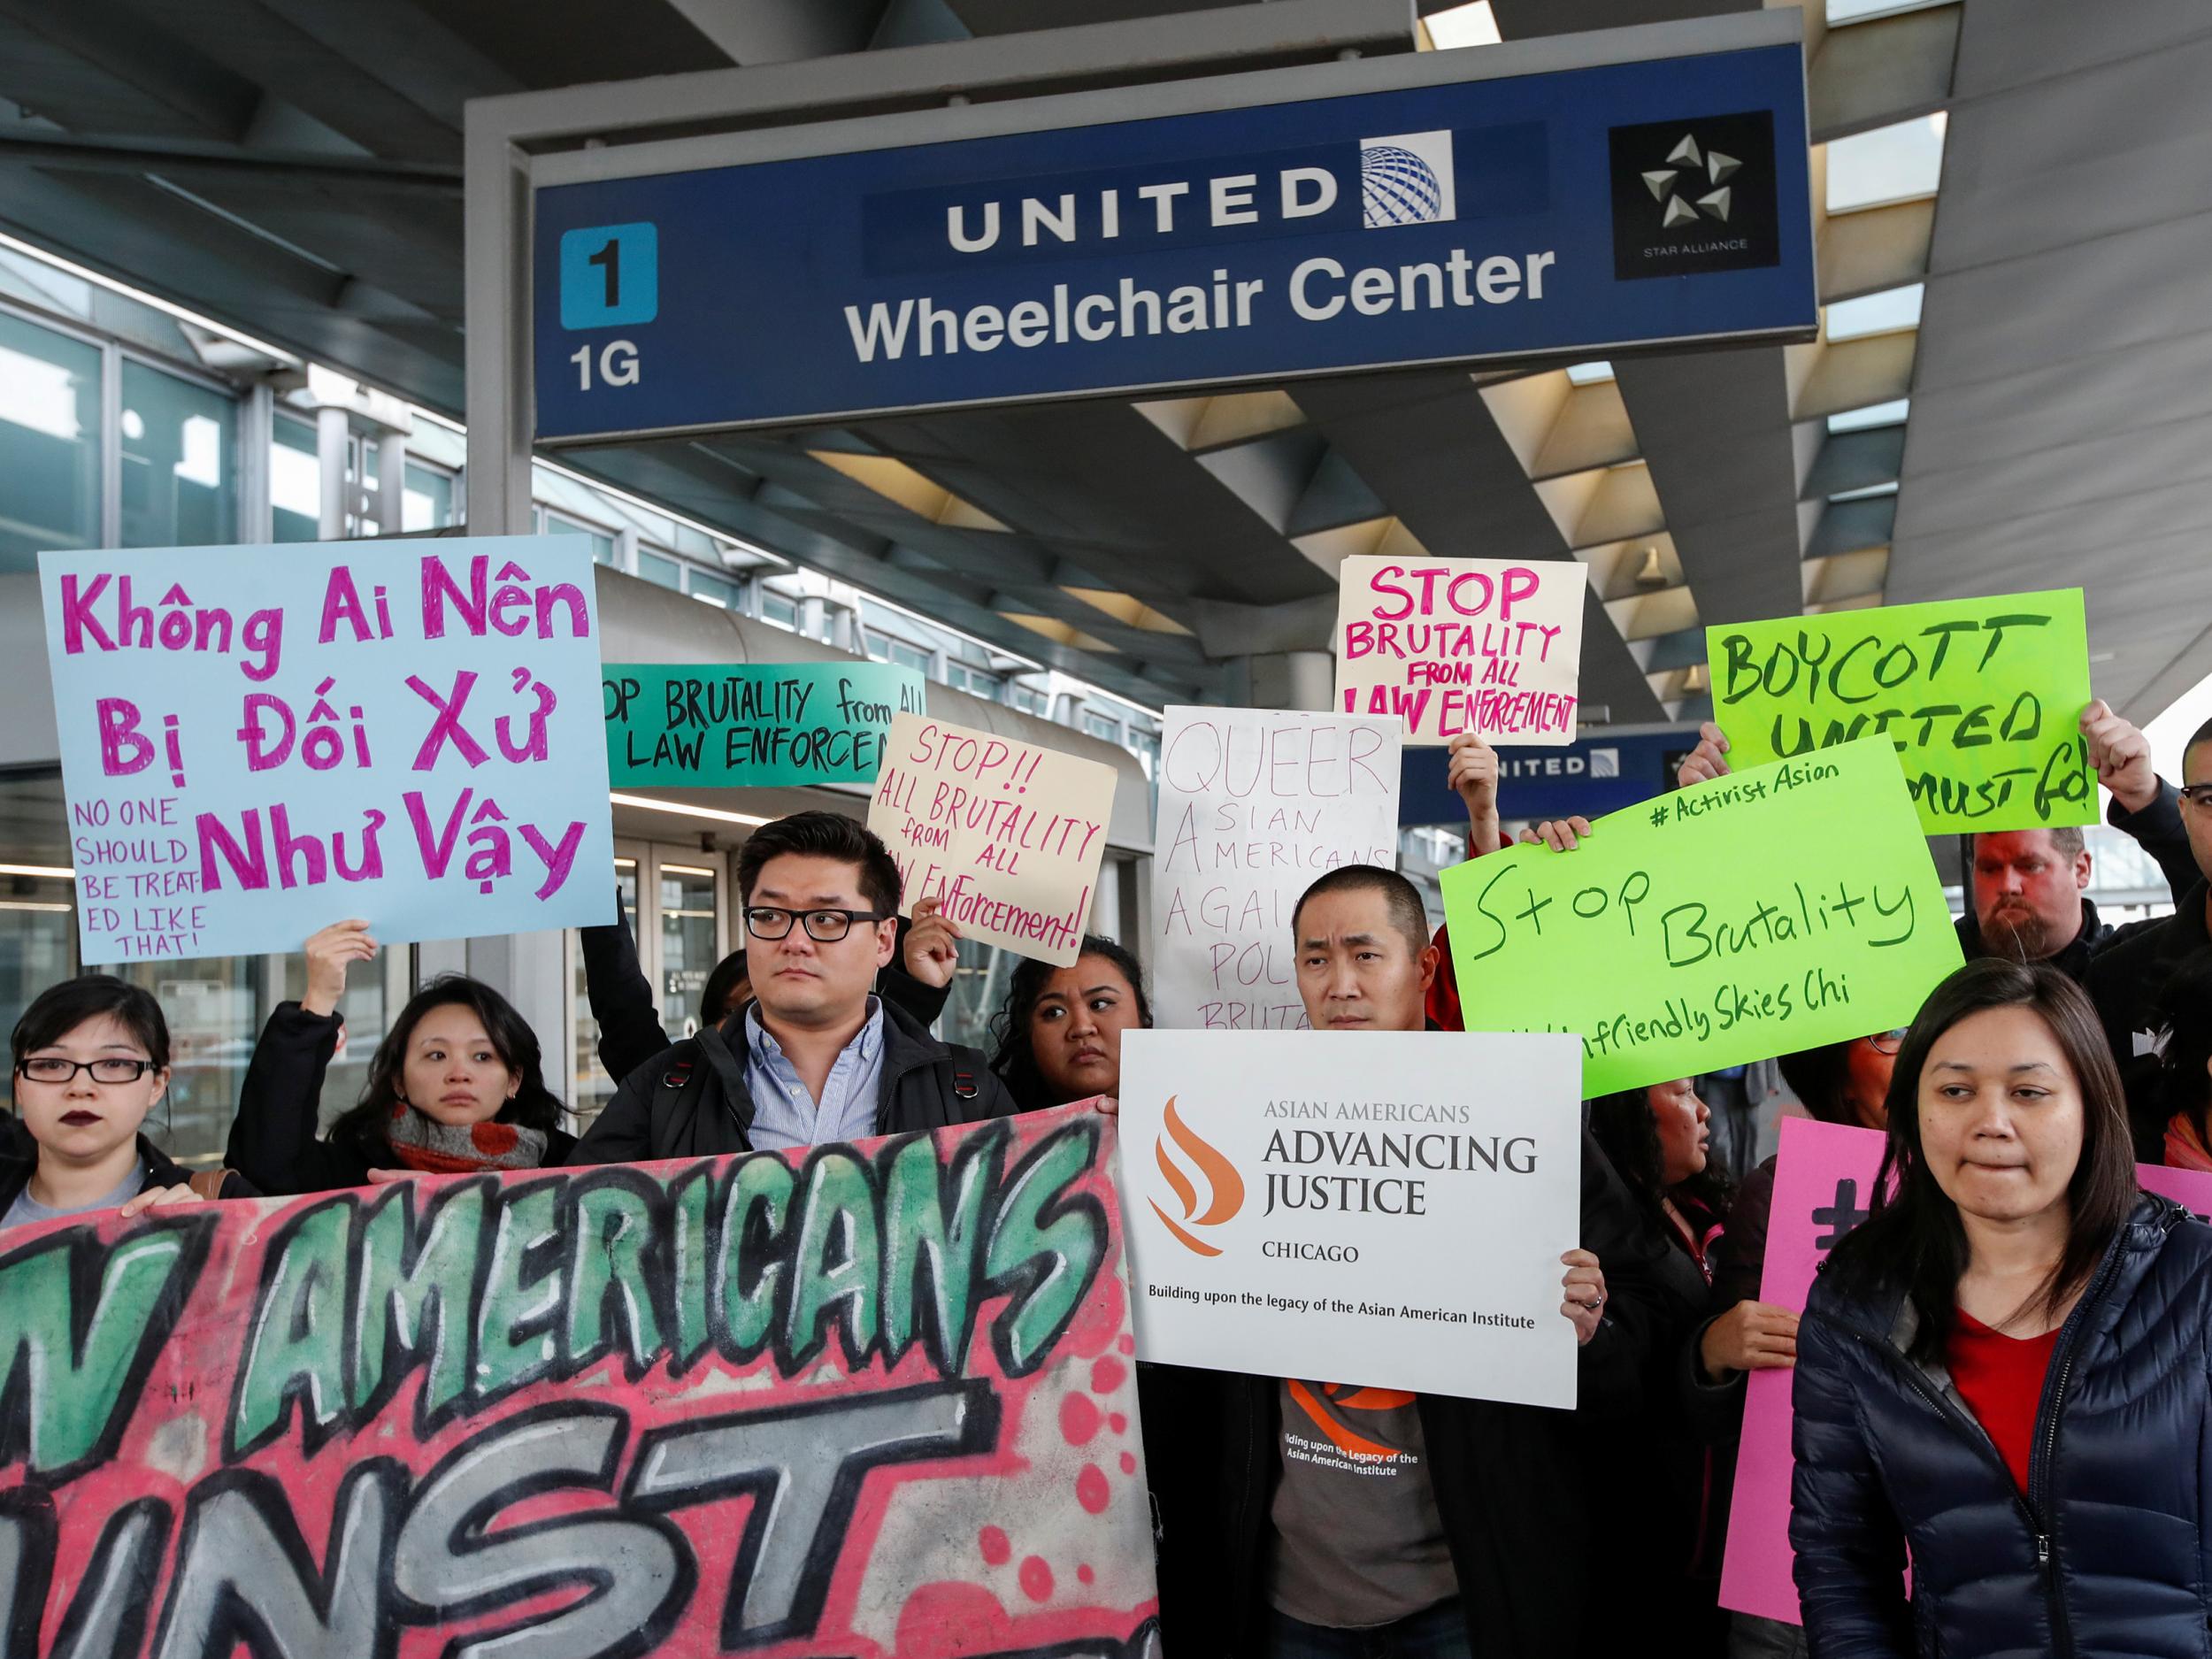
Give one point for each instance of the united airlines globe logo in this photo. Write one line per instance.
(1406, 180)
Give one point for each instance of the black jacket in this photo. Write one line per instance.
(2110, 1552)
(630, 1029)
(20, 1162)
(691, 1101)
(2127, 982)
(1515, 1513)
(2158, 829)
(272, 1140)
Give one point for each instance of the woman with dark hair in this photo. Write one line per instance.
(2186, 1066)
(91, 1059)
(454, 1086)
(2001, 1373)
(1059, 1035)
(1648, 1476)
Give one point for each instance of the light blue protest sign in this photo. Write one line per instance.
(259, 741)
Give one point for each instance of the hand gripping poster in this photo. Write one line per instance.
(873, 1401)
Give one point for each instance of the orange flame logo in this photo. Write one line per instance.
(1225, 1187)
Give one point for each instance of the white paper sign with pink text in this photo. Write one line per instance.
(1488, 646)
(259, 741)
(1006, 836)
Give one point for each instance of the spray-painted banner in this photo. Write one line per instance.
(731, 726)
(1980, 695)
(1462, 645)
(873, 1401)
(1255, 805)
(257, 739)
(1006, 836)
(1824, 1187)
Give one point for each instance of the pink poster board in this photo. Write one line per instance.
(1822, 1186)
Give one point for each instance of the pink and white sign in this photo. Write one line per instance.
(1448, 646)
(1822, 1187)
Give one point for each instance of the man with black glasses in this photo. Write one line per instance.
(813, 1059)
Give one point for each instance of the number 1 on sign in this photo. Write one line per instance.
(611, 258)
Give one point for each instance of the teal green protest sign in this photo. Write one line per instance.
(730, 725)
(1776, 908)
(1983, 698)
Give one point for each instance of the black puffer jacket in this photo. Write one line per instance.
(2110, 1554)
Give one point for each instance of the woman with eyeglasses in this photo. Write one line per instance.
(91, 1061)
(456, 1087)
(2001, 1373)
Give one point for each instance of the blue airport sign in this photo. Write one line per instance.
(1606, 769)
(1584, 209)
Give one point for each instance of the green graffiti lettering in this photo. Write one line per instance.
(522, 1294)
(415, 1280)
(296, 1347)
(1047, 1243)
(933, 1224)
(79, 1325)
(688, 1249)
(837, 1262)
(616, 1278)
(750, 1262)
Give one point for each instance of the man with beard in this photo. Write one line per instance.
(2028, 885)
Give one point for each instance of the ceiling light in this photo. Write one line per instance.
(1650, 572)
(681, 810)
(57, 872)
(1699, 678)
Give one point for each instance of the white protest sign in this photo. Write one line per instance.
(1462, 645)
(1007, 835)
(259, 740)
(1386, 1208)
(1255, 804)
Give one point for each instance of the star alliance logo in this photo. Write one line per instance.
(1694, 195)
(1700, 168)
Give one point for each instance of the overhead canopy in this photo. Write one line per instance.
(292, 167)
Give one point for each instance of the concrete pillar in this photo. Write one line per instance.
(391, 481)
(1290, 679)
(331, 431)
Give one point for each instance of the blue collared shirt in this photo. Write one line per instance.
(785, 1115)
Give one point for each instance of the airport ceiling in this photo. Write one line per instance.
(292, 167)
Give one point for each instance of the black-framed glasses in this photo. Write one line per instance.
(823, 927)
(2199, 795)
(109, 1068)
(1887, 1041)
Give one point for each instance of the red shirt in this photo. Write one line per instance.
(2001, 1377)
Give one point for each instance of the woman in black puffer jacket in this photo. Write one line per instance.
(2005, 1368)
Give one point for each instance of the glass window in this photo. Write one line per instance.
(662, 573)
(589, 1086)
(1889, 164)
(974, 682)
(179, 484)
(50, 443)
(428, 503)
(1099, 726)
(713, 589)
(908, 656)
(690, 942)
(296, 482)
(781, 609)
(604, 549)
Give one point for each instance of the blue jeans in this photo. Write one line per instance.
(1439, 1633)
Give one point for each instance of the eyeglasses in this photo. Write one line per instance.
(823, 927)
(1887, 1042)
(52, 1068)
(2199, 795)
